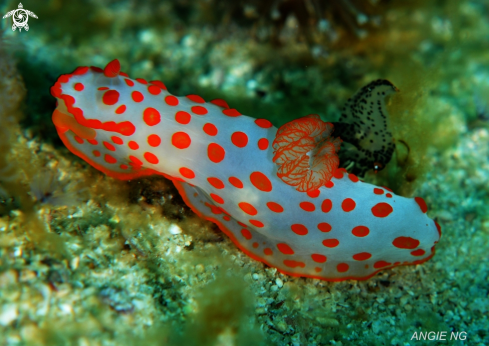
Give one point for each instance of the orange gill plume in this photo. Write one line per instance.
(306, 153)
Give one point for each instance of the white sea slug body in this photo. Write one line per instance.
(223, 165)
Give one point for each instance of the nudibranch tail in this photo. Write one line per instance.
(223, 165)
(305, 153)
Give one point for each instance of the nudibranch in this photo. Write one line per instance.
(310, 219)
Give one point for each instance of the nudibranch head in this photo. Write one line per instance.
(306, 153)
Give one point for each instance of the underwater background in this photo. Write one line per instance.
(89, 260)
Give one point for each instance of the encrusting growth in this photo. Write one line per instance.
(223, 165)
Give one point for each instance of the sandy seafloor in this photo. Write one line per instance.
(105, 262)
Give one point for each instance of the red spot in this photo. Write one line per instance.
(125, 128)
(214, 209)
(154, 90)
(326, 205)
(248, 208)
(381, 264)
(307, 206)
(96, 153)
(419, 252)
(158, 83)
(246, 234)
(142, 80)
(64, 78)
(324, 227)
(242, 224)
(263, 144)
(264, 123)
(154, 140)
(378, 191)
(81, 70)
(388, 195)
(216, 198)
(299, 229)
(123, 166)
(387, 189)
(348, 205)
(239, 139)
(338, 174)
(121, 109)
(342, 267)
(318, 270)
(405, 243)
(92, 141)
(56, 90)
(180, 140)
(318, 258)
(215, 152)
(285, 249)
(117, 140)
(260, 181)
(275, 207)
(112, 69)
(329, 184)
(353, 177)
(360, 231)
(313, 193)
(107, 126)
(133, 145)
(199, 110)
(196, 98)
(210, 129)
(171, 100)
(216, 182)
(422, 204)
(109, 159)
(231, 112)
(136, 161)
(236, 182)
(187, 172)
(109, 146)
(382, 209)
(257, 223)
(137, 96)
(267, 251)
(103, 88)
(151, 158)
(182, 117)
(362, 256)
(331, 242)
(220, 103)
(151, 116)
(123, 74)
(129, 82)
(110, 97)
(293, 264)
(227, 218)
(79, 87)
